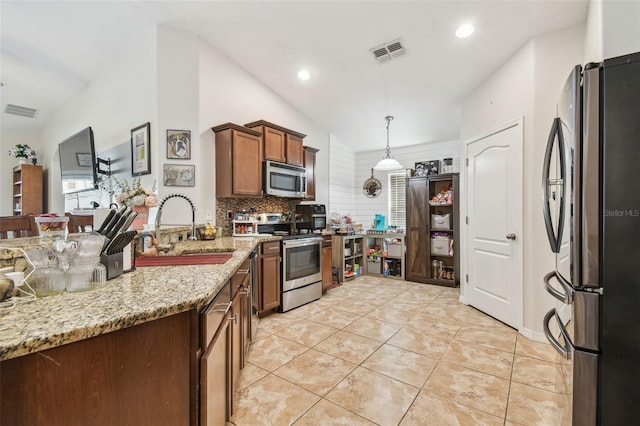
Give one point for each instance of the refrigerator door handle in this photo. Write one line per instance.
(567, 296)
(556, 130)
(564, 350)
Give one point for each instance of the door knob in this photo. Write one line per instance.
(511, 237)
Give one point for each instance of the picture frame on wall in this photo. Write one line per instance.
(141, 150)
(178, 144)
(179, 175)
(427, 168)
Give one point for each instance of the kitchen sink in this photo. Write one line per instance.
(184, 259)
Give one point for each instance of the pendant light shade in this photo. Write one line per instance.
(388, 162)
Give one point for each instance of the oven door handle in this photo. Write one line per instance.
(302, 242)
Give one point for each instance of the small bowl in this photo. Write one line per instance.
(202, 234)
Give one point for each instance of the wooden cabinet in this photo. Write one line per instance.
(215, 387)
(294, 150)
(268, 291)
(141, 375)
(347, 255)
(27, 189)
(279, 143)
(385, 254)
(327, 278)
(238, 161)
(433, 230)
(310, 166)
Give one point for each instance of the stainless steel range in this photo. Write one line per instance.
(301, 262)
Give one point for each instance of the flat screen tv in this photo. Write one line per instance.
(78, 162)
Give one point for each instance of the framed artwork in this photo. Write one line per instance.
(179, 175)
(84, 159)
(179, 144)
(141, 150)
(427, 168)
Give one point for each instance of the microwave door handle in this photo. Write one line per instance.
(567, 296)
(554, 240)
(566, 349)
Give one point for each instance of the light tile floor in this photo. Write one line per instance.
(390, 352)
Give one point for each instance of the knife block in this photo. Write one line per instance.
(113, 263)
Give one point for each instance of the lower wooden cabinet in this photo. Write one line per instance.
(140, 375)
(214, 386)
(327, 277)
(269, 264)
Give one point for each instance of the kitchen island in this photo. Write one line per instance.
(127, 353)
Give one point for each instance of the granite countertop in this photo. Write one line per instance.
(145, 294)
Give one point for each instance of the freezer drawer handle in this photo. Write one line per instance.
(567, 296)
(566, 350)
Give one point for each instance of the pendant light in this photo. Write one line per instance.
(388, 162)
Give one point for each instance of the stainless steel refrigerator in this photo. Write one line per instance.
(591, 203)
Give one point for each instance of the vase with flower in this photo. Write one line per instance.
(138, 198)
(22, 152)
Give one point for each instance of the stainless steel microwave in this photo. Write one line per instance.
(284, 180)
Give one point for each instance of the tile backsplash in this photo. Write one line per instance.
(267, 204)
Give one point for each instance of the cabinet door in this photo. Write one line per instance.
(270, 266)
(310, 166)
(247, 164)
(326, 268)
(294, 150)
(236, 344)
(274, 143)
(417, 256)
(215, 389)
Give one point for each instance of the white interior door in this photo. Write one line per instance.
(494, 229)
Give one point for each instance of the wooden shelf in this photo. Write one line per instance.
(27, 189)
(420, 191)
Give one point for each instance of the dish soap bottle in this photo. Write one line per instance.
(146, 238)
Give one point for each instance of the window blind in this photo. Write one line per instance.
(397, 204)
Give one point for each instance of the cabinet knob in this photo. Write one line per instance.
(511, 237)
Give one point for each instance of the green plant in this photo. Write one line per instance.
(22, 151)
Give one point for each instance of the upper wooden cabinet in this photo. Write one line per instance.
(238, 161)
(279, 143)
(310, 166)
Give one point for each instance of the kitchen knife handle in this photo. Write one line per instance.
(112, 224)
(106, 221)
(114, 231)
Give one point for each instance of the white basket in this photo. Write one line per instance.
(440, 221)
(440, 246)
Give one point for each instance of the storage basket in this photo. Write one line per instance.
(440, 221)
(374, 266)
(440, 245)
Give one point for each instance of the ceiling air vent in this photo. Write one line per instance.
(388, 50)
(21, 111)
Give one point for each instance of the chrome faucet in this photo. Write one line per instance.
(193, 215)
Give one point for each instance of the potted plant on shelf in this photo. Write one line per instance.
(22, 152)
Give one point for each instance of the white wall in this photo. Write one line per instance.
(8, 141)
(367, 208)
(178, 92)
(342, 184)
(228, 93)
(120, 99)
(620, 27)
(527, 85)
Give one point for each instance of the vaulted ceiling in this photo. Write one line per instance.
(51, 49)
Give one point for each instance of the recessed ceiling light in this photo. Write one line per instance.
(464, 30)
(304, 75)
